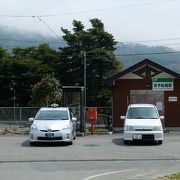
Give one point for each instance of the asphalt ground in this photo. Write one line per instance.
(97, 157)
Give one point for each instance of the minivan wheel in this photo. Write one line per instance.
(159, 142)
(70, 143)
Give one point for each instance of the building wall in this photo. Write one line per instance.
(121, 95)
(172, 109)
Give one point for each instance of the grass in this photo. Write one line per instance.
(171, 177)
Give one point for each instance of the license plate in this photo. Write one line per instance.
(49, 135)
(137, 136)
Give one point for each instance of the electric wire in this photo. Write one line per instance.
(151, 53)
(86, 11)
(128, 54)
(123, 42)
(40, 19)
(141, 4)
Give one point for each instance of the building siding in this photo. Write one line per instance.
(121, 95)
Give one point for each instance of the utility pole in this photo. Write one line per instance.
(14, 97)
(84, 122)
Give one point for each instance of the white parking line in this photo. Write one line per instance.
(104, 174)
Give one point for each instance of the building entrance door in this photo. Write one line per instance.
(148, 97)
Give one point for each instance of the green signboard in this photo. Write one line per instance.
(163, 84)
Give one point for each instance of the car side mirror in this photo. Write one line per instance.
(122, 117)
(31, 119)
(162, 117)
(74, 119)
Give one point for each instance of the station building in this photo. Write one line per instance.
(146, 82)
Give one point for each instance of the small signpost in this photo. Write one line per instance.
(92, 116)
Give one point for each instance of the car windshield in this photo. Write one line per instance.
(52, 115)
(142, 113)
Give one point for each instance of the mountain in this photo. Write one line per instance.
(10, 38)
(128, 53)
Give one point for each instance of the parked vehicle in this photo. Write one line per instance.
(142, 123)
(53, 124)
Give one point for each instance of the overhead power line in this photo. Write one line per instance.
(152, 53)
(154, 40)
(129, 54)
(29, 41)
(125, 42)
(87, 11)
(126, 54)
(40, 19)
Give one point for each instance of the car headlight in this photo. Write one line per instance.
(157, 128)
(65, 128)
(129, 128)
(34, 128)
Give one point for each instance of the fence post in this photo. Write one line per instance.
(20, 117)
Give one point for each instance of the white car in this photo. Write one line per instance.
(53, 124)
(142, 123)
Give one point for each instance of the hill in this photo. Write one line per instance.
(133, 53)
(10, 38)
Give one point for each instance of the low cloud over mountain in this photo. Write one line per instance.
(128, 53)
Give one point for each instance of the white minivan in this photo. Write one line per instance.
(142, 123)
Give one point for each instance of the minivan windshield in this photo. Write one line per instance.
(142, 113)
(52, 115)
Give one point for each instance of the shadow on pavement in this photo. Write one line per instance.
(25, 143)
(120, 142)
(44, 144)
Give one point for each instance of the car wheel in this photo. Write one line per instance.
(126, 141)
(32, 143)
(159, 142)
(70, 143)
(74, 136)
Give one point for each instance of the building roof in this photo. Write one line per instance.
(148, 66)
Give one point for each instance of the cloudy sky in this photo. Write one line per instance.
(144, 21)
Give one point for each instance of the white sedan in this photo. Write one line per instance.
(53, 124)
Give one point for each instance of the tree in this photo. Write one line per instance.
(3, 53)
(101, 61)
(47, 91)
(24, 72)
(43, 53)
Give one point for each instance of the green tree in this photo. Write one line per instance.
(43, 53)
(47, 91)
(25, 66)
(101, 61)
(24, 72)
(3, 53)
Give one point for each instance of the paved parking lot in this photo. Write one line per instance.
(90, 157)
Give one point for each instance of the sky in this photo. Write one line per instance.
(150, 22)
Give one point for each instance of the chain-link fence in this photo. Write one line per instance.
(11, 117)
(104, 118)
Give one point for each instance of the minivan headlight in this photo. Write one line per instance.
(129, 128)
(157, 128)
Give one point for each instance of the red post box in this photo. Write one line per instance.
(92, 116)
